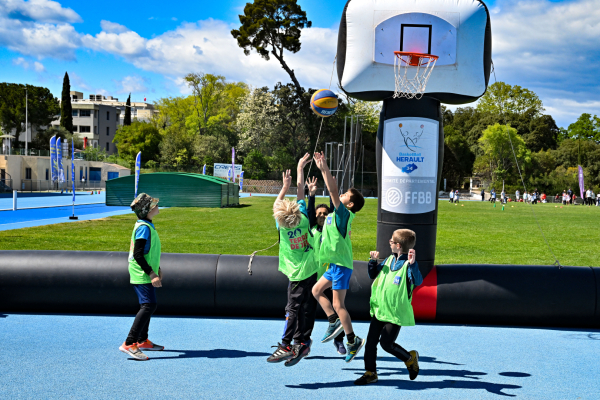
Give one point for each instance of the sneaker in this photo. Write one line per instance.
(283, 353)
(413, 365)
(339, 346)
(332, 331)
(300, 351)
(133, 351)
(354, 348)
(368, 377)
(149, 346)
(309, 346)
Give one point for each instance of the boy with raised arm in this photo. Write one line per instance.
(297, 261)
(391, 308)
(317, 216)
(336, 255)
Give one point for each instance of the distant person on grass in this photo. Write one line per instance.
(493, 196)
(517, 195)
(296, 261)
(336, 255)
(451, 195)
(456, 196)
(482, 195)
(317, 217)
(391, 308)
(144, 274)
(570, 193)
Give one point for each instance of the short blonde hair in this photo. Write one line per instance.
(287, 213)
(406, 238)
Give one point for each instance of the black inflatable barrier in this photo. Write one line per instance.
(517, 295)
(208, 284)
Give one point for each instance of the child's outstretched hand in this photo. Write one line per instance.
(304, 161)
(312, 185)
(287, 179)
(320, 160)
(374, 255)
(411, 256)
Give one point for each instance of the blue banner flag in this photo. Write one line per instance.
(241, 181)
(138, 165)
(59, 161)
(229, 174)
(53, 160)
(73, 169)
(581, 183)
(204, 170)
(233, 163)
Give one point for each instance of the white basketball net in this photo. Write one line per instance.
(412, 88)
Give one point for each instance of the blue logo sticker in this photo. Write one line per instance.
(409, 168)
(329, 219)
(397, 280)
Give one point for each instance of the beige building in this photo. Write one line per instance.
(140, 110)
(33, 173)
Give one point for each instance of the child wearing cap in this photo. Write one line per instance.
(145, 275)
(391, 308)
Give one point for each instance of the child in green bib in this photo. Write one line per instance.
(297, 261)
(391, 308)
(336, 255)
(317, 216)
(144, 274)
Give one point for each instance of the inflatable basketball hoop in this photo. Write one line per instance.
(405, 64)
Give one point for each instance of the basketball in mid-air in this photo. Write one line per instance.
(324, 103)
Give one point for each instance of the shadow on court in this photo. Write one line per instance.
(495, 388)
(216, 353)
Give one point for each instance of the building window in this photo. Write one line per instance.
(107, 146)
(95, 130)
(75, 113)
(108, 116)
(117, 116)
(84, 129)
(74, 128)
(47, 174)
(27, 173)
(107, 131)
(85, 113)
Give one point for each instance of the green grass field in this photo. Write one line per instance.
(472, 232)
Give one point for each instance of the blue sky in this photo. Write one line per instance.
(115, 47)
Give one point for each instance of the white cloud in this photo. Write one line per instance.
(132, 84)
(113, 27)
(38, 10)
(38, 66)
(22, 62)
(550, 47)
(117, 41)
(207, 46)
(38, 28)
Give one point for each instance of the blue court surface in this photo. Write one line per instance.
(25, 218)
(34, 200)
(62, 356)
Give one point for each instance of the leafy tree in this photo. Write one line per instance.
(458, 157)
(42, 140)
(256, 165)
(270, 27)
(209, 148)
(66, 110)
(127, 117)
(139, 136)
(498, 151)
(502, 98)
(207, 90)
(43, 108)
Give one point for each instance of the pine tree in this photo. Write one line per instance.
(127, 119)
(66, 110)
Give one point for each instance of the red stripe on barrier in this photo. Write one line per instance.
(424, 300)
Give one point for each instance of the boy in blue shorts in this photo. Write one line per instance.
(145, 275)
(336, 254)
(391, 308)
